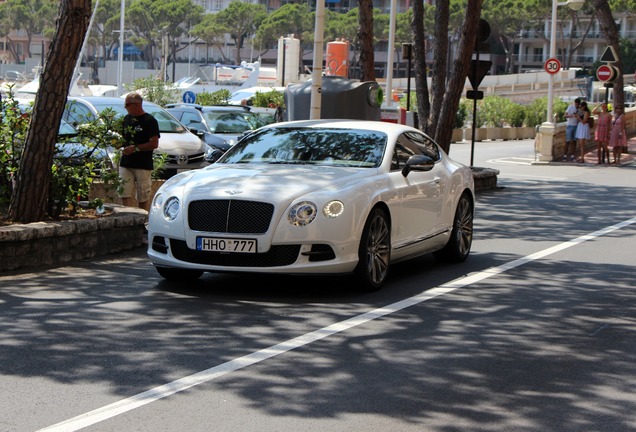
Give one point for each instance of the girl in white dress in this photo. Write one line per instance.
(583, 128)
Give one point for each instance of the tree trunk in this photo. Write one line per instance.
(419, 55)
(459, 71)
(365, 36)
(30, 197)
(439, 79)
(610, 30)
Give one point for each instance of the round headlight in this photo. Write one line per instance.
(157, 201)
(333, 209)
(302, 214)
(171, 208)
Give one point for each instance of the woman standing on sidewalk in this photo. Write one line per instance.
(618, 137)
(602, 132)
(583, 129)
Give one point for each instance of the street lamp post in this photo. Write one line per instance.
(574, 5)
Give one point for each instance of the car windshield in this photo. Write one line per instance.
(342, 147)
(232, 122)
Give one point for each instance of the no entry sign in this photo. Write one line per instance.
(606, 73)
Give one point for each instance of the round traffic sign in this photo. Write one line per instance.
(189, 97)
(605, 73)
(552, 65)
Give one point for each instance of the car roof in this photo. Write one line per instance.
(218, 108)
(380, 126)
(105, 100)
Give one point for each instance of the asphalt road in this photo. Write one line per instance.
(535, 332)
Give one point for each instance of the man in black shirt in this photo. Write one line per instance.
(141, 131)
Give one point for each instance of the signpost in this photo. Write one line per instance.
(606, 73)
(189, 96)
(478, 69)
(552, 66)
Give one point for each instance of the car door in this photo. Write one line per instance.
(420, 193)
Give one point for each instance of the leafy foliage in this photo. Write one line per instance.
(151, 20)
(245, 18)
(496, 110)
(219, 97)
(462, 114)
(72, 173)
(270, 99)
(155, 90)
(516, 115)
(537, 111)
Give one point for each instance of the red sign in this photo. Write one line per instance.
(552, 65)
(605, 73)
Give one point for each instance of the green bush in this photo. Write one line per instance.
(270, 99)
(516, 115)
(219, 97)
(155, 90)
(462, 114)
(460, 117)
(537, 111)
(494, 110)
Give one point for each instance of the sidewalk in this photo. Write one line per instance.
(627, 159)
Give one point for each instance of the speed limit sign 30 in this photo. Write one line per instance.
(552, 66)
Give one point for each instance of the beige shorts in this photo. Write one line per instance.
(139, 179)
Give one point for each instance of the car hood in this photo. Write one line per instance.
(176, 143)
(264, 182)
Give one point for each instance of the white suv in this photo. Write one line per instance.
(185, 150)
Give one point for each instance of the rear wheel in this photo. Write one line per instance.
(173, 274)
(461, 239)
(374, 252)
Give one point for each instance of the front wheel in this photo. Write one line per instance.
(176, 275)
(374, 252)
(461, 239)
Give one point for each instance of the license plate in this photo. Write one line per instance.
(233, 245)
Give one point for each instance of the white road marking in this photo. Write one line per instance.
(533, 177)
(513, 161)
(157, 393)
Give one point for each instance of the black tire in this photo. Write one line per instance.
(374, 252)
(176, 275)
(458, 247)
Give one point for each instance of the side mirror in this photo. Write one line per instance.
(418, 163)
(212, 155)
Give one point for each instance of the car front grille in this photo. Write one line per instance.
(230, 216)
(282, 255)
(185, 160)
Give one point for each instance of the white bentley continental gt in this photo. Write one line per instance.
(316, 197)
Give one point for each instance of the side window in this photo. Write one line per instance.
(76, 114)
(411, 143)
(421, 144)
(401, 155)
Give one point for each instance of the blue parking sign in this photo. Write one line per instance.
(189, 97)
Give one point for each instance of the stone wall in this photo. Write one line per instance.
(54, 243)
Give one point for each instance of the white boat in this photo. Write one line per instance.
(214, 77)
